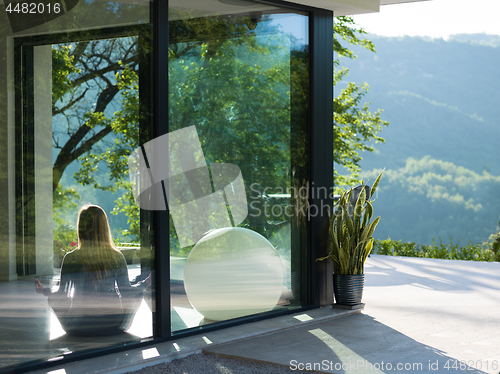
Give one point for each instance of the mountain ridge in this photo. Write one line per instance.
(441, 100)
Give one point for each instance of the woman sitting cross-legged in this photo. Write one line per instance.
(95, 296)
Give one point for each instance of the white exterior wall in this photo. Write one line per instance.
(42, 56)
(350, 7)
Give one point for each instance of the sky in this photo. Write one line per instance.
(434, 18)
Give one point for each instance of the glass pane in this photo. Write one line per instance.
(75, 259)
(239, 91)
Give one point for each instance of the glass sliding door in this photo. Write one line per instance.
(76, 253)
(78, 227)
(239, 85)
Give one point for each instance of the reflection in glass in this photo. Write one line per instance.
(70, 113)
(95, 296)
(232, 273)
(238, 73)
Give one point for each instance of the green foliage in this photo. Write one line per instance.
(235, 85)
(345, 28)
(63, 202)
(438, 180)
(451, 251)
(444, 200)
(354, 125)
(352, 237)
(63, 244)
(125, 126)
(64, 233)
(62, 67)
(126, 204)
(493, 242)
(88, 80)
(236, 93)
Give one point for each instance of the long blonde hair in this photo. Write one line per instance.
(95, 243)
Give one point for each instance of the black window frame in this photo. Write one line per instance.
(24, 122)
(321, 158)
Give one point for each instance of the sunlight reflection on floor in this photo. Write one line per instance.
(56, 329)
(142, 325)
(189, 316)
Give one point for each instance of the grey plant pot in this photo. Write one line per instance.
(348, 289)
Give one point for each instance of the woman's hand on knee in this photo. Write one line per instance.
(39, 287)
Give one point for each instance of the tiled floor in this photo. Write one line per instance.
(31, 331)
(421, 316)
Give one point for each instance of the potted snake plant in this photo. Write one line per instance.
(351, 234)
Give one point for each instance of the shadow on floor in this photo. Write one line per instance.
(434, 274)
(355, 344)
(29, 331)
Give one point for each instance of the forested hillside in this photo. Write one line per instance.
(441, 153)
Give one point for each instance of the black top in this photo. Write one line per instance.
(85, 306)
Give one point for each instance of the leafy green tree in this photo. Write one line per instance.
(233, 88)
(220, 82)
(354, 125)
(124, 125)
(493, 242)
(86, 75)
(430, 198)
(91, 79)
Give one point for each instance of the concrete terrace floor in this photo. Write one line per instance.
(421, 316)
(426, 315)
